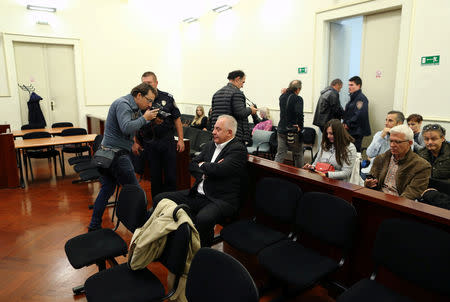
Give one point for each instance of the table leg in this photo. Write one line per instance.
(19, 159)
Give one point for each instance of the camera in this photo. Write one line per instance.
(161, 113)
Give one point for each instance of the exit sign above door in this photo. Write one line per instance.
(302, 70)
(430, 60)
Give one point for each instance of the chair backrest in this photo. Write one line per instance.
(191, 134)
(309, 135)
(132, 207)
(31, 126)
(62, 124)
(277, 198)
(416, 252)
(186, 118)
(73, 131)
(37, 134)
(327, 218)
(175, 252)
(202, 138)
(261, 136)
(97, 142)
(216, 276)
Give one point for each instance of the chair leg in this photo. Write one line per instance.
(54, 163)
(115, 202)
(25, 163)
(63, 166)
(31, 169)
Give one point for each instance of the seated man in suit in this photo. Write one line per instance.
(219, 172)
(399, 171)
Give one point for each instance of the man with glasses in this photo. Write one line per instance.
(437, 151)
(124, 120)
(399, 171)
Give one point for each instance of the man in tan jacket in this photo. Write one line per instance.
(399, 171)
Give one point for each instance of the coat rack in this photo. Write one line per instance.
(30, 88)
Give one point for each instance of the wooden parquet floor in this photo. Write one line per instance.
(36, 222)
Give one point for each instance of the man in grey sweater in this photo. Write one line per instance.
(124, 119)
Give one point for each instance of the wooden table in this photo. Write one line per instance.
(48, 142)
(52, 131)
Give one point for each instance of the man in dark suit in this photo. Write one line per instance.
(219, 173)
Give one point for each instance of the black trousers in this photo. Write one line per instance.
(358, 142)
(162, 158)
(204, 212)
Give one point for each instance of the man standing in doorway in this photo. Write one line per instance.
(356, 114)
(231, 100)
(328, 106)
(158, 139)
(124, 119)
(291, 122)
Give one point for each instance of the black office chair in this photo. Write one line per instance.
(31, 126)
(103, 245)
(62, 124)
(86, 170)
(412, 251)
(309, 139)
(47, 152)
(260, 143)
(203, 137)
(120, 283)
(216, 276)
(77, 149)
(275, 199)
(324, 217)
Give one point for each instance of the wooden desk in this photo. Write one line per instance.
(52, 131)
(9, 177)
(47, 142)
(372, 207)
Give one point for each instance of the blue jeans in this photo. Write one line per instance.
(121, 172)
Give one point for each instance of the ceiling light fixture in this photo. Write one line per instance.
(42, 8)
(222, 8)
(190, 20)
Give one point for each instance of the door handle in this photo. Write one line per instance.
(51, 105)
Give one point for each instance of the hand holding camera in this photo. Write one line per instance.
(150, 114)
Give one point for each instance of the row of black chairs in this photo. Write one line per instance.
(413, 251)
(52, 152)
(120, 283)
(54, 125)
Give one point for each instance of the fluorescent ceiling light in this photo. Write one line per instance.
(190, 20)
(222, 8)
(41, 8)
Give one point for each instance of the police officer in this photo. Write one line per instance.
(124, 120)
(158, 139)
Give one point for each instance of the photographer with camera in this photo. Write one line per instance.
(157, 139)
(124, 120)
(291, 124)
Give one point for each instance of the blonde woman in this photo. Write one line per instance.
(200, 119)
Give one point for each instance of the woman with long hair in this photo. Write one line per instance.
(200, 119)
(337, 149)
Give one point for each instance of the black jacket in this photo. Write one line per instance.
(35, 115)
(230, 100)
(328, 107)
(291, 112)
(357, 119)
(223, 180)
(440, 167)
(436, 199)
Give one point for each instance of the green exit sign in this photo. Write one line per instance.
(431, 60)
(302, 70)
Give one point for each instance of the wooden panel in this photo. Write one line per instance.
(4, 128)
(9, 176)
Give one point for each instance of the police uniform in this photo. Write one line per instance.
(160, 146)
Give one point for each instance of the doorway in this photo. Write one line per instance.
(367, 46)
(50, 69)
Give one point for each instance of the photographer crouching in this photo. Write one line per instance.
(157, 139)
(124, 120)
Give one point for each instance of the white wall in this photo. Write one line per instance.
(268, 39)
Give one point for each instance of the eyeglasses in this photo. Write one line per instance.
(148, 99)
(395, 142)
(434, 127)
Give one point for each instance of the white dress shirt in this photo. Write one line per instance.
(219, 148)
